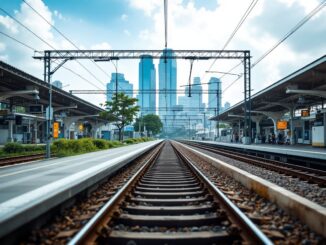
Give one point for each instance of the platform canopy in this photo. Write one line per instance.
(13, 80)
(303, 88)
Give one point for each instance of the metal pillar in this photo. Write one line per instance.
(204, 124)
(47, 79)
(247, 98)
(292, 139)
(189, 128)
(218, 96)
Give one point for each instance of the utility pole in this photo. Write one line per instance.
(204, 124)
(189, 127)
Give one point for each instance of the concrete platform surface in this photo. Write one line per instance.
(293, 150)
(30, 189)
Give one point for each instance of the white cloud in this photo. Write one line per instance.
(8, 24)
(2, 47)
(102, 45)
(124, 17)
(127, 33)
(58, 15)
(17, 55)
(144, 34)
(148, 6)
(199, 28)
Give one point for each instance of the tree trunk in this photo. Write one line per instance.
(120, 134)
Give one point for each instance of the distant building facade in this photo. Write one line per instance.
(57, 84)
(167, 81)
(147, 85)
(227, 105)
(214, 99)
(123, 86)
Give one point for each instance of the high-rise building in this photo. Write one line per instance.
(193, 104)
(227, 105)
(214, 99)
(147, 85)
(167, 81)
(57, 84)
(196, 99)
(123, 86)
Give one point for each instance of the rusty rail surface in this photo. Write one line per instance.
(19, 159)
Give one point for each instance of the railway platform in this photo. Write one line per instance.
(29, 190)
(304, 154)
(295, 150)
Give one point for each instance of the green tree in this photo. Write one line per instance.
(120, 111)
(151, 122)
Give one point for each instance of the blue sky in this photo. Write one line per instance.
(193, 24)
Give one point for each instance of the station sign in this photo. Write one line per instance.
(35, 108)
(305, 113)
(281, 125)
(56, 130)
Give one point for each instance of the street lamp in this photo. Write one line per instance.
(116, 71)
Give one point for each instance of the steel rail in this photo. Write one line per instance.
(252, 232)
(88, 232)
(286, 168)
(19, 159)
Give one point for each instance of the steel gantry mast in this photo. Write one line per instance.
(66, 55)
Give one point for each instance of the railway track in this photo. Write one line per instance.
(308, 174)
(19, 159)
(169, 201)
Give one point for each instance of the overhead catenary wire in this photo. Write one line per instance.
(293, 30)
(242, 20)
(31, 48)
(63, 35)
(44, 41)
(286, 36)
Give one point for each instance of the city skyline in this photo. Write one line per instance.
(138, 24)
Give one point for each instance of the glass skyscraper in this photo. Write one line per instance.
(147, 85)
(167, 81)
(123, 86)
(214, 100)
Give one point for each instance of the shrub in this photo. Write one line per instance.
(13, 148)
(87, 145)
(116, 143)
(29, 148)
(61, 144)
(101, 144)
(129, 141)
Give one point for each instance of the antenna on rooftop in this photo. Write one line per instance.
(166, 22)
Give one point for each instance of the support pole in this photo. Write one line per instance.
(247, 99)
(47, 79)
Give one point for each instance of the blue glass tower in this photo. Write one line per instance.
(123, 86)
(167, 81)
(214, 99)
(147, 85)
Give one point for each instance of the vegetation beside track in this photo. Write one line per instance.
(16, 149)
(65, 147)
